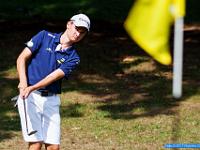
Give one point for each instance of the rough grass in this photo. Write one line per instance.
(118, 99)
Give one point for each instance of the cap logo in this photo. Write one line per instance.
(81, 19)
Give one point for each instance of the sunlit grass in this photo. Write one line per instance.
(157, 129)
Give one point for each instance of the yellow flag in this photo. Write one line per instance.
(148, 23)
(179, 8)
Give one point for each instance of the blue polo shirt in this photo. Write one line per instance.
(47, 57)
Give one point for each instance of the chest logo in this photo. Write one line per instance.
(60, 61)
(48, 49)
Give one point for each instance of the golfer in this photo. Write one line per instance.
(44, 62)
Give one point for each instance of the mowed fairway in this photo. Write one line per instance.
(118, 98)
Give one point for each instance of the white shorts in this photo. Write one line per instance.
(43, 116)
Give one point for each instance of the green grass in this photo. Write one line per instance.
(150, 131)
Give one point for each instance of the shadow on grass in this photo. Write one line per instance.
(72, 110)
(9, 122)
(9, 119)
(147, 90)
(103, 57)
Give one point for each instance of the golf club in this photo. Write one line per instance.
(32, 132)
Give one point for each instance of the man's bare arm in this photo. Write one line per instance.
(21, 67)
(54, 76)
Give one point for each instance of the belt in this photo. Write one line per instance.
(44, 93)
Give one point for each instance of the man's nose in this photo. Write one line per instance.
(77, 33)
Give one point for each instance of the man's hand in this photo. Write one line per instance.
(24, 92)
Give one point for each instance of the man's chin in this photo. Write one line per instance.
(75, 40)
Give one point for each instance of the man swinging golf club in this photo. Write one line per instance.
(44, 62)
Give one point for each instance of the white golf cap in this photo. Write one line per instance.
(81, 20)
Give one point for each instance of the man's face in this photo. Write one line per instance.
(75, 34)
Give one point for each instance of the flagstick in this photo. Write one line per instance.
(178, 58)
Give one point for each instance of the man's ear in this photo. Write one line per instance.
(68, 24)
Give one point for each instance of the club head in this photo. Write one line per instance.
(14, 99)
(32, 132)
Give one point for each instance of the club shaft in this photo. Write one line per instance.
(26, 121)
(25, 115)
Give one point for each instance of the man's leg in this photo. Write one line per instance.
(51, 122)
(35, 146)
(52, 147)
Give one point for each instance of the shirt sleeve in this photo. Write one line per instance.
(70, 64)
(36, 41)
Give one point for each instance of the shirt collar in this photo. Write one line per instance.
(57, 41)
(57, 38)
(58, 48)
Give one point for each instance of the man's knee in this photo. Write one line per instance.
(52, 146)
(35, 145)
